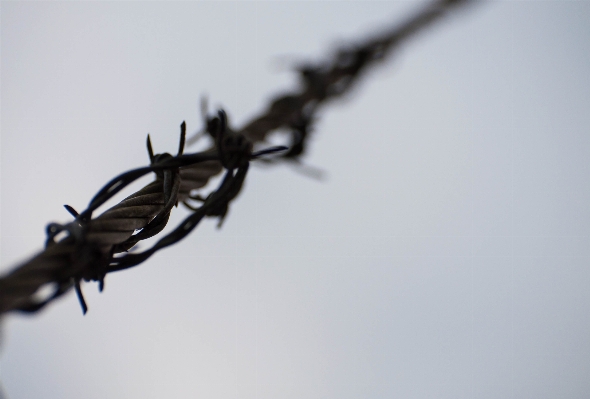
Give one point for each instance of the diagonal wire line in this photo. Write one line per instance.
(89, 250)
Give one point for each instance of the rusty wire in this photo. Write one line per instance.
(92, 247)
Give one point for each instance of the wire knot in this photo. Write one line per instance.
(234, 149)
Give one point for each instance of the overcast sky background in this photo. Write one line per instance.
(445, 254)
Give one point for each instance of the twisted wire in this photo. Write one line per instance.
(88, 251)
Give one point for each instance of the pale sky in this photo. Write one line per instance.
(445, 254)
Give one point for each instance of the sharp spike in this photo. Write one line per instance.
(182, 137)
(81, 297)
(222, 119)
(72, 211)
(149, 148)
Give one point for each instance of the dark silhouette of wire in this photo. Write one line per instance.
(94, 247)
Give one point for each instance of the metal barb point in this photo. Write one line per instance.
(150, 149)
(80, 296)
(71, 210)
(182, 137)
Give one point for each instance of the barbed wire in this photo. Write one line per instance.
(92, 248)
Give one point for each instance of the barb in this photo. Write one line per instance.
(91, 246)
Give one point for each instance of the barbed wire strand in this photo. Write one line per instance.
(95, 247)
